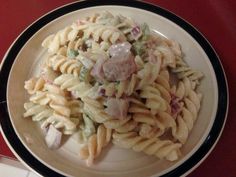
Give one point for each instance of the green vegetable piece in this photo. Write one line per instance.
(89, 127)
(145, 29)
(84, 74)
(139, 48)
(117, 85)
(72, 53)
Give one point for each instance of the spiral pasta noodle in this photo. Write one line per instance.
(75, 107)
(60, 122)
(154, 100)
(147, 75)
(159, 148)
(183, 70)
(34, 84)
(121, 88)
(71, 83)
(64, 65)
(189, 112)
(95, 144)
(55, 42)
(186, 118)
(136, 106)
(95, 110)
(105, 33)
(47, 116)
(148, 131)
(103, 46)
(37, 112)
(58, 102)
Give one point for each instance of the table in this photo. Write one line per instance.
(215, 19)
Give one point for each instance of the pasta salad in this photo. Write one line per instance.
(112, 80)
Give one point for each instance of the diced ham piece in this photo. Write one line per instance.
(175, 105)
(119, 49)
(101, 91)
(53, 137)
(117, 108)
(119, 67)
(136, 32)
(97, 70)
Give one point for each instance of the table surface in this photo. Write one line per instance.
(215, 19)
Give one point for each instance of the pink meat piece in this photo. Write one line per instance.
(119, 49)
(101, 91)
(136, 32)
(53, 137)
(119, 67)
(97, 70)
(117, 108)
(175, 105)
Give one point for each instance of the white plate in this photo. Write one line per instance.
(23, 60)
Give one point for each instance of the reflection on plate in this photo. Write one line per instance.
(116, 162)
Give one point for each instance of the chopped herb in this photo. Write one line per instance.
(84, 74)
(89, 128)
(146, 31)
(72, 53)
(139, 47)
(117, 83)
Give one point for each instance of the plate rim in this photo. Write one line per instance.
(190, 164)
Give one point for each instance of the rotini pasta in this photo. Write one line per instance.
(183, 88)
(105, 33)
(187, 117)
(160, 148)
(148, 131)
(64, 65)
(154, 100)
(183, 70)
(108, 78)
(58, 102)
(60, 122)
(55, 42)
(148, 75)
(121, 88)
(188, 114)
(34, 84)
(95, 144)
(37, 112)
(40, 98)
(70, 83)
(137, 106)
(96, 111)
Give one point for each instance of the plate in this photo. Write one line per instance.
(24, 57)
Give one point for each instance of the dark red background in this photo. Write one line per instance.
(215, 19)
